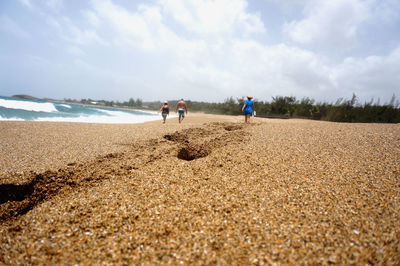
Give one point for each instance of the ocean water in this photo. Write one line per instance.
(35, 110)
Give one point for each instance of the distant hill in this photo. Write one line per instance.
(24, 96)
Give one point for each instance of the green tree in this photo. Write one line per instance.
(283, 105)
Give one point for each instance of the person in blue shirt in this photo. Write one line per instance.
(248, 108)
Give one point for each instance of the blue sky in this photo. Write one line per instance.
(200, 49)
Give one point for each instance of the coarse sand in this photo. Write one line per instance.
(211, 190)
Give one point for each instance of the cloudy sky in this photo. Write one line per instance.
(200, 49)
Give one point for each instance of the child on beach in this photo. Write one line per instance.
(248, 108)
(164, 111)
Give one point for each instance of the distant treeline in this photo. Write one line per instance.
(138, 103)
(288, 107)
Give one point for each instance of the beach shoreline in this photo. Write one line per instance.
(209, 190)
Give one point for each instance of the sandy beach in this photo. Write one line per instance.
(209, 190)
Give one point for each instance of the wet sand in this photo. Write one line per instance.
(210, 190)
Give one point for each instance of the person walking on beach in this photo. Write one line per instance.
(181, 109)
(248, 109)
(164, 111)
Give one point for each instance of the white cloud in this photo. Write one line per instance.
(38, 5)
(247, 67)
(55, 24)
(78, 36)
(55, 5)
(10, 26)
(205, 17)
(131, 28)
(330, 23)
(373, 76)
(26, 2)
(100, 83)
(92, 18)
(38, 61)
(76, 51)
(73, 33)
(143, 29)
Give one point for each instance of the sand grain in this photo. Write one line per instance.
(274, 191)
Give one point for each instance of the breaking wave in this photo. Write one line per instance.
(28, 105)
(33, 110)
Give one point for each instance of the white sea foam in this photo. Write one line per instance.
(11, 119)
(147, 112)
(124, 113)
(66, 106)
(28, 105)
